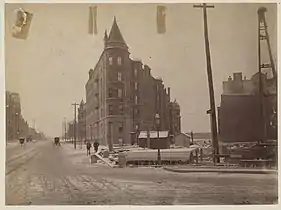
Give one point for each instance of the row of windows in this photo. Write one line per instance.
(120, 109)
(119, 61)
(119, 91)
(102, 130)
(111, 93)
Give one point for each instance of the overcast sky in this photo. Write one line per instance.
(50, 69)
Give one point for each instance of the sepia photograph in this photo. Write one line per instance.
(143, 104)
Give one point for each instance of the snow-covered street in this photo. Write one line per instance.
(43, 174)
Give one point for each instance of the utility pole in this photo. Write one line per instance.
(210, 81)
(261, 88)
(64, 129)
(191, 135)
(74, 124)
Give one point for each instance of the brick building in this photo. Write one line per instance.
(16, 125)
(239, 116)
(122, 97)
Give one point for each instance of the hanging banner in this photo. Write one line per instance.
(93, 29)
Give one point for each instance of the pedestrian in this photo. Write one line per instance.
(89, 145)
(120, 142)
(96, 146)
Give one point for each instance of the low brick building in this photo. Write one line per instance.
(150, 139)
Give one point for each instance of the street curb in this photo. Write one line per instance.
(237, 171)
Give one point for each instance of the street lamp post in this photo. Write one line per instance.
(17, 125)
(91, 133)
(136, 134)
(157, 121)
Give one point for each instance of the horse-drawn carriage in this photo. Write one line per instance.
(22, 140)
(57, 141)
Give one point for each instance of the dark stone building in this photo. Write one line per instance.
(122, 97)
(240, 116)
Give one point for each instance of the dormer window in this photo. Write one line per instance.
(110, 60)
(119, 61)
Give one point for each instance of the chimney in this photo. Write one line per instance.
(91, 73)
(147, 69)
(237, 76)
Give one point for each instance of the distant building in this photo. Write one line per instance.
(16, 125)
(122, 97)
(82, 121)
(70, 130)
(240, 114)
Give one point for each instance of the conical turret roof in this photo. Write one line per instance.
(115, 38)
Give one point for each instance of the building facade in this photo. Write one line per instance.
(16, 125)
(240, 117)
(70, 131)
(122, 97)
(82, 121)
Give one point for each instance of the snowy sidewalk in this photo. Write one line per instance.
(79, 155)
(190, 169)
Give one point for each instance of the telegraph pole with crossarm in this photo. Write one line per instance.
(74, 126)
(210, 81)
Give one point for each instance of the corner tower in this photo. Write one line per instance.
(118, 67)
